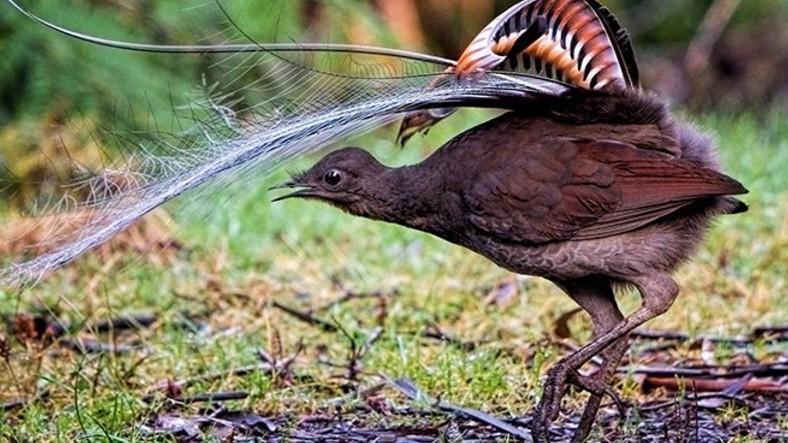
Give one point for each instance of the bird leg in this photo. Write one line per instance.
(598, 386)
(658, 294)
(595, 296)
(601, 305)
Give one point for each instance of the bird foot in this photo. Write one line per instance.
(550, 404)
(594, 385)
(561, 375)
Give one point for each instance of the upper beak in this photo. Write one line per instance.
(290, 184)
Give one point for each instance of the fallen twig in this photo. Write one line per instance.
(283, 366)
(410, 390)
(86, 346)
(712, 400)
(357, 353)
(14, 404)
(766, 331)
(773, 370)
(21, 403)
(125, 323)
(759, 385)
(433, 332)
(211, 397)
(771, 333)
(307, 317)
(235, 372)
(683, 337)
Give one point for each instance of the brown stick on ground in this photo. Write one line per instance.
(759, 385)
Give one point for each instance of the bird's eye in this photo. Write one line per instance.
(332, 177)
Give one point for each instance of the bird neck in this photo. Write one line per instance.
(409, 196)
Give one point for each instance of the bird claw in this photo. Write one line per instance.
(598, 387)
(549, 406)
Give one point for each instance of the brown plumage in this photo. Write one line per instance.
(589, 193)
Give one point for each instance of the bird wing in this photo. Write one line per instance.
(576, 42)
(584, 190)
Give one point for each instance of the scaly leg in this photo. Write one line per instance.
(595, 296)
(599, 388)
(598, 300)
(658, 293)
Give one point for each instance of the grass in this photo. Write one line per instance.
(214, 300)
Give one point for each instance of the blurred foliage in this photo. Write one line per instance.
(44, 73)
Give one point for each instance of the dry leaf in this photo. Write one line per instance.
(561, 326)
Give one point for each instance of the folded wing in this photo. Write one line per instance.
(585, 190)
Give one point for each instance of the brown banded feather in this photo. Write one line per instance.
(581, 44)
(577, 42)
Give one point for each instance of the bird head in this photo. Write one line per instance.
(341, 178)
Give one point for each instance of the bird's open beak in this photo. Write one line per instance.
(305, 190)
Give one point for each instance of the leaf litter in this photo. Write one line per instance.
(679, 401)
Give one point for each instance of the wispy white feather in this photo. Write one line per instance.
(304, 102)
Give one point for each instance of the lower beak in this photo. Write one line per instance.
(304, 192)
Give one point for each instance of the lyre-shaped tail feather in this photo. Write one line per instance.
(575, 41)
(578, 42)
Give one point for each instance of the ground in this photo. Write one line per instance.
(298, 320)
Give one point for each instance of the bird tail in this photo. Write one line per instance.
(577, 42)
(698, 148)
(732, 206)
(274, 103)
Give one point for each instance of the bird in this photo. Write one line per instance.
(594, 193)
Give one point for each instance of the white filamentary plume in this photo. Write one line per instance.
(302, 109)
